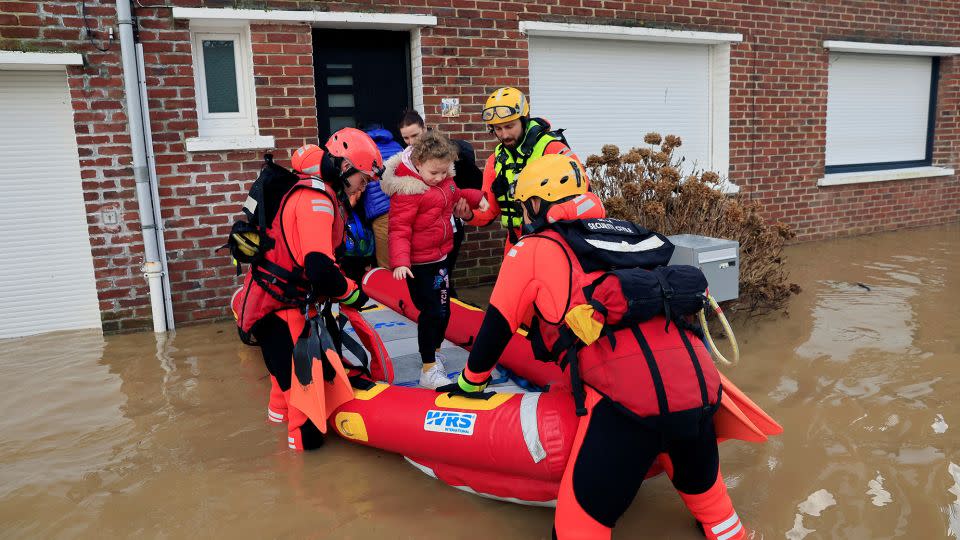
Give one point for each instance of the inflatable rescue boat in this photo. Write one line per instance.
(510, 446)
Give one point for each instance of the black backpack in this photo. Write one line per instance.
(248, 240)
(637, 284)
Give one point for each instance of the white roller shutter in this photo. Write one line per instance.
(615, 91)
(877, 108)
(46, 269)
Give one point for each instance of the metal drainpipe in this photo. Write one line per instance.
(152, 265)
(154, 187)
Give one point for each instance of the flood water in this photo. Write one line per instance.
(137, 436)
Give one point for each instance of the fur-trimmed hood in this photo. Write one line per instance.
(400, 177)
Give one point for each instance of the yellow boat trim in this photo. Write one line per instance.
(465, 305)
(471, 404)
(367, 395)
(351, 426)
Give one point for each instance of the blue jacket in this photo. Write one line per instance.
(375, 201)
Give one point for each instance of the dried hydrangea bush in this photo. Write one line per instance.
(646, 185)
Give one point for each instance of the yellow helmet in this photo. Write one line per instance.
(553, 177)
(505, 105)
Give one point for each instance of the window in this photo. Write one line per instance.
(223, 75)
(880, 111)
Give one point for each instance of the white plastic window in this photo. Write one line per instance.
(223, 75)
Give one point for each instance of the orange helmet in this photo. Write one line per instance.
(358, 149)
(307, 159)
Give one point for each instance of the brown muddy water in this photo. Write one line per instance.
(137, 436)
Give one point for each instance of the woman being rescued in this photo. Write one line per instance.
(636, 406)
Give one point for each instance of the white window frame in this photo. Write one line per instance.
(226, 131)
(718, 78)
(922, 168)
(217, 19)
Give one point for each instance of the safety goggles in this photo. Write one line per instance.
(498, 111)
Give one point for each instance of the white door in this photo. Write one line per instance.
(605, 91)
(46, 268)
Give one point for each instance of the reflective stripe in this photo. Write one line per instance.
(650, 243)
(519, 244)
(725, 524)
(512, 252)
(290, 440)
(311, 170)
(528, 424)
(732, 533)
(318, 184)
(582, 208)
(324, 209)
(274, 414)
(352, 298)
(250, 204)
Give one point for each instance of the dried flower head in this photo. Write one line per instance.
(610, 151)
(654, 209)
(652, 138)
(632, 157)
(670, 173)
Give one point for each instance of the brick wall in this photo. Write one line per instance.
(777, 108)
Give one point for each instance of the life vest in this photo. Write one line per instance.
(277, 282)
(677, 381)
(509, 163)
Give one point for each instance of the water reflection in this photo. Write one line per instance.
(62, 413)
(848, 319)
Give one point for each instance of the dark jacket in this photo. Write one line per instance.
(468, 175)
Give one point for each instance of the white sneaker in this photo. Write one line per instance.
(434, 377)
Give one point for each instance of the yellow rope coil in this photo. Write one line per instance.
(726, 328)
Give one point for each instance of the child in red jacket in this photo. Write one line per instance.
(419, 182)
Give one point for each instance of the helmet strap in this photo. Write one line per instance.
(330, 169)
(538, 220)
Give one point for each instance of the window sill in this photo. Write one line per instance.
(864, 177)
(212, 144)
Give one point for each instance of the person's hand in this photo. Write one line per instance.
(484, 205)
(401, 272)
(462, 210)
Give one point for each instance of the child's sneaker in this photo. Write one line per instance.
(434, 377)
(441, 358)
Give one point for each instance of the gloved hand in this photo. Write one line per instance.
(465, 388)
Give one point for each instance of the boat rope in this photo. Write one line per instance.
(726, 328)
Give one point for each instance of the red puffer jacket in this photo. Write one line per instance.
(420, 226)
